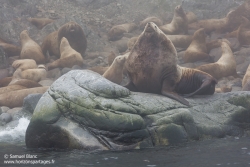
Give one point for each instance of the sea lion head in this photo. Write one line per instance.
(120, 60)
(64, 42)
(151, 29)
(71, 29)
(179, 11)
(24, 35)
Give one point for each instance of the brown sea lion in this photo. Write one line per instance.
(15, 98)
(10, 88)
(181, 41)
(116, 32)
(115, 72)
(10, 50)
(131, 43)
(24, 64)
(246, 80)
(40, 22)
(152, 68)
(26, 83)
(223, 89)
(69, 57)
(225, 66)
(197, 50)
(179, 23)
(195, 82)
(5, 81)
(30, 49)
(74, 34)
(243, 32)
(153, 19)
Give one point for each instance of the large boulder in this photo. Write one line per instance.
(83, 110)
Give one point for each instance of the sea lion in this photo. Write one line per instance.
(246, 80)
(36, 75)
(74, 34)
(195, 82)
(115, 72)
(111, 57)
(40, 22)
(69, 57)
(197, 50)
(10, 50)
(223, 89)
(131, 43)
(5, 81)
(179, 23)
(181, 41)
(152, 68)
(156, 20)
(15, 98)
(243, 32)
(24, 64)
(99, 69)
(26, 83)
(10, 88)
(116, 32)
(191, 17)
(225, 66)
(30, 49)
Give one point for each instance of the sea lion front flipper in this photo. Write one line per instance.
(175, 96)
(167, 90)
(206, 86)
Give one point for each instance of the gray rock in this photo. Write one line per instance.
(5, 118)
(86, 111)
(4, 109)
(30, 102)
(46, 82)
(54, 74)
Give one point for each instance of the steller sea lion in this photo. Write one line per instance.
(116, 32)
(111, 57)
(10, 88)
(197, 50)
(30, 49)
(5, 81)
(25, 83)
(131, 43)
(99, 69)
(10, 50)
(40, 22)
(225, 66)
(243, 32)
(115, 72)
(74, 34)
(152, 68)
(195, 82)
(153, 19)
(246, 80)
(69, 57)
(191, 17)
(24, 64)
(15, 98)
(179, 23)
(181, 41)
(36, 75)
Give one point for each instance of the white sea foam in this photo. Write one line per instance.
(15, 134)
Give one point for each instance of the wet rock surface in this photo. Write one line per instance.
(88, 112)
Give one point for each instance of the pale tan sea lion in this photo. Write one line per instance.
(36, 74)
(15, 98)
(10, 88)
(152, 68)
(99, 69)
(153, 19)
(40, 22)
(69, 57)
(191, 17)
(111, 57)
(5, 81)
(30, 49)
(116, 32)
(225, 66)
(26, 83)
(179, 23)
(115, 72)
(181, 41)
(24, 64)
(197, 50)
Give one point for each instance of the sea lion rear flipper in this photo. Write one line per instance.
(175, 96)
(205, 86)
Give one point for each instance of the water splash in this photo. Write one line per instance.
(15, 134)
